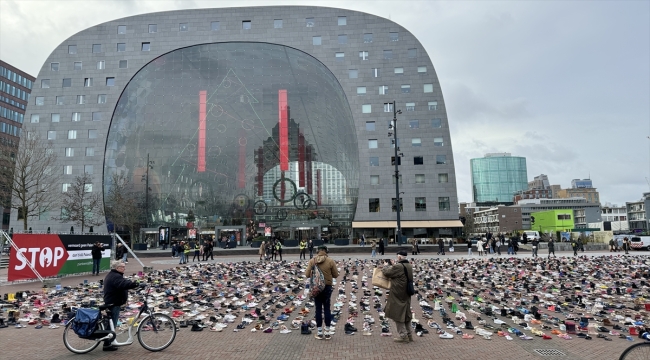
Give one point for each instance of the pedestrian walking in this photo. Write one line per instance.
(381, 246)
(469, 248)
(574, 246)
(535, 243)
(373, 246)
(398, 304)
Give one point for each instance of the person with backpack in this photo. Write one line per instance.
(398, 304)
(322, 265)
(116, 292)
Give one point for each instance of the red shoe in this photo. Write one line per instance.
(32, 322)
(546, 337)
(177, 313)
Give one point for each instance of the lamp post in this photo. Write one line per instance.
(398, 202)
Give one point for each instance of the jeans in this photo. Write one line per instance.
(374, 253)
(182, 259)
(534, 252)
(124, 258)
(469, 250)
(115, 316)
(96, 265)
(322, 303)
(510, 250)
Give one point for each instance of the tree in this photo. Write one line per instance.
(28, 182)
(123, 204)
(468, 228)
(81, 205)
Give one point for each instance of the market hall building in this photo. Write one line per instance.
(259, 117)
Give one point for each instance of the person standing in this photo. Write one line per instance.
(310, 246)
(535, 243)
(208, 249)
(441, 246)
(278, 248)
(626, 245)
(181, 251)
(119, 252)
(381, 246)
(262, 250)
(611, 245)
(398, 304)
(510, 246)
(197, 251)
(479, 246)
(469, 247)
(322, 302)
(574, 246)
(96, 252)
(116, 292)
(303, 248)
(551, 248)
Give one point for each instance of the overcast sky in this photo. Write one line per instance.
(564, 84)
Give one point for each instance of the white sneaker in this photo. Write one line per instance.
(446, 335)
(499, 321)
(285, 331)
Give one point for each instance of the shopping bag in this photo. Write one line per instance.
(379, 280)
(451, 249)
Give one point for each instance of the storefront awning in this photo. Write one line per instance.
(407, 224)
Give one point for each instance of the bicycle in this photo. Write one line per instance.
(151, 327)
(637, 351)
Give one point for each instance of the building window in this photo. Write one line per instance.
(88, 82)
(77, 65)
(97, 48)
(399, 71)
(343, 39)
(406, 89)
(97, 116)
(60, 100)
(183, 27)
(373, 205)
(372, 144)
(436, 123)
(393, 36)
(420, 204)
(441, 159)
(39, 100)
(72, 49)
(110, 81)
(67, 82)
(437, 141)
(310, 22)
(88, 169)
(367, 38)
(340, 56)
(123, 64)
(374, 161)
(65, 188)
(414, 124)
(69, 152)
(422, 69)
(277, 23)
(410, 106)
(101, 65)
(366, 108)
(51, 135)
(246, 25)
(121, 29)
(428, 88)
(413, 53)
(45, 83)
(92, 134)
(433, 105)
(342, 20)
(76, 116)
(383, 89)
(418, 160)
(388, 54)
(416, 142)
(81, 99)
(67, 170)
(146, 46)
(72, 134)
(101, 99)
(121, 47)
(443, 178)
(215, 26)
(388, 107)
(393, 202)
(443, 203)
(363, 55)
(374, 179)
(419, 178)
(375, 72)
(392, 160)
(153, 28)
(88, 187)
(353, 73)
(316, 40)
(370, 126)
(393, 179)
(90, 151)
(35, 118)
(361, 90)
(56, 117)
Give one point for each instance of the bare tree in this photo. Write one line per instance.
(81, 205)
(124, 205)
(29, 179)
(469, 228)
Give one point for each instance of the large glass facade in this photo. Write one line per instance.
(497, 179)
(236, 133)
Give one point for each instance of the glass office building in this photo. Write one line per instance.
(496, 178)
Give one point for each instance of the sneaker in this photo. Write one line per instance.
(319, 336)
(110, 348)
(446, 335)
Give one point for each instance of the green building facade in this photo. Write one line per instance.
(552, 220)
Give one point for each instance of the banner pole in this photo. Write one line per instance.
(128, 248)
(6, 236)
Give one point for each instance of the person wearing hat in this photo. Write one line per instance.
(322, 302)
(398, 305)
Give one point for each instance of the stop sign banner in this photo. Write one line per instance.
(53, 255)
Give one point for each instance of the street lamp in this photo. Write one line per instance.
(398, 205)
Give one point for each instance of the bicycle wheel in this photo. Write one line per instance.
(637, 351)
(76, 344)
(156, 332)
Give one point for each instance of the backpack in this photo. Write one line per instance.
(410, 289)
(316, 282)
(85, 322)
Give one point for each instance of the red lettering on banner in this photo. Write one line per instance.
(284, 130)
(45, 253)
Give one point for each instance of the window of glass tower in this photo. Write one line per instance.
(235, 134)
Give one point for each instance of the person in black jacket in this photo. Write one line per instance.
(116, 292)
(96, 252)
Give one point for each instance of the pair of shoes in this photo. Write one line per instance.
(401, 340)
(110, 348)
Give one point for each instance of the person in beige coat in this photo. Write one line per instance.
(262, 250)
(398, 305)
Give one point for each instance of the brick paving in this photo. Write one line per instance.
(31, 343)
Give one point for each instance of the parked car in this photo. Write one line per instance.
(640, 242)
(531, 235)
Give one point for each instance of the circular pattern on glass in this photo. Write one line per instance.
(281, 214)
(293, 193)
(310, 204)
(260, 207)
(241, 202)
(300, 199)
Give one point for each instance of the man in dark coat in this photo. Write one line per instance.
(116, 292)
(381, 246)
(398, 305)
(96, 252)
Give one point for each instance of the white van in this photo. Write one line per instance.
(640, 242)
(531, 235)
